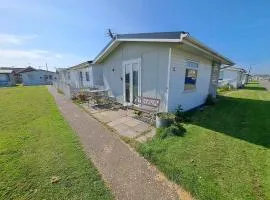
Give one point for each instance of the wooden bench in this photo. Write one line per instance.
(149, 105)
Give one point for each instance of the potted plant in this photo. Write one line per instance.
(164, 119)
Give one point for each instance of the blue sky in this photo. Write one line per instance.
(64, 33)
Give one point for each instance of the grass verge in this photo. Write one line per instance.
(225, 152)
(37, 144)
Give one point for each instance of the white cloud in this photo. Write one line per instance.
(37, 58)
(15, 39)
(13, 53)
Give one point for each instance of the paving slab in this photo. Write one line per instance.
(142, 127)
(129, 176)
(133, 122)
(145, 137)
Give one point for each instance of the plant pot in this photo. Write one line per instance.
(162, 123)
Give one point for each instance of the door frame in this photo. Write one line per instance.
(124, 63)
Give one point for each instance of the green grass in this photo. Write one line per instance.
(36, 143)
(225, 152)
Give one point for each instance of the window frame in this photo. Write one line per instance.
(81, 76)
(195, 68)
(221, 75)
(87, 77)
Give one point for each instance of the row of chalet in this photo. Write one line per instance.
(235, 77)
(173, 67)
(10, 76)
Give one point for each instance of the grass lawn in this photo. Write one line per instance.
(225, 152)
(36, 143)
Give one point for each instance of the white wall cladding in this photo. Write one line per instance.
(177, 95)
(37, 77)
(154, 68)
(95, 77)
(231, 77)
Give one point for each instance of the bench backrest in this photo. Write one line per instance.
(148, 101)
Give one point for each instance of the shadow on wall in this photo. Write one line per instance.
(245, 119)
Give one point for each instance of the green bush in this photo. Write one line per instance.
(166, 115)
(173, 130)
(180, 115)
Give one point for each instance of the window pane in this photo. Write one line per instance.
(190, 79)
(127, 78)
(81, 76)
(87, 76)
(135, 85)
(221, 75)
(191, 64)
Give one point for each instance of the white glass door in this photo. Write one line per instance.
(131, 81)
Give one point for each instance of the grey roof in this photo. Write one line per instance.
(31, 69)
(15, 69)
(5, 71)
(153, 35)
(172, 37)
(81, 65)
(234, 68)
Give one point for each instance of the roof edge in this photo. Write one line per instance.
(184, 37)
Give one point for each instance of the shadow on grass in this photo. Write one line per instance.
(245, 119)
(254, 88)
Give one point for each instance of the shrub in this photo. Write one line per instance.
(180, 115)
(80, 97)
(166, 115)
(138, 112)
(173, 130)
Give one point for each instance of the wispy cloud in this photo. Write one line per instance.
(15, 39)
(37, 58)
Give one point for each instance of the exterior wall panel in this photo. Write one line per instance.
(177, 94)
(37, 77)
(154, 68)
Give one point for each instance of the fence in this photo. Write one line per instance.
(70, 91)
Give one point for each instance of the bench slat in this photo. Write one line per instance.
(148, 101)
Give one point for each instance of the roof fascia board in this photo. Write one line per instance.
(133, 40)
(148, 40)
(234, 69)
(198, 45)
(96, 60)
(184, 38)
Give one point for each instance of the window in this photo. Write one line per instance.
(50, 77)
(87, 76)
(221, 75)
(68, 75)
(191, 75)
(81, 76)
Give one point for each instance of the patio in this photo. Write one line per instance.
(123, 122)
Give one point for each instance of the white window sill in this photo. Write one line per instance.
(190, 91)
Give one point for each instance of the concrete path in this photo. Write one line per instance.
(128, 175)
